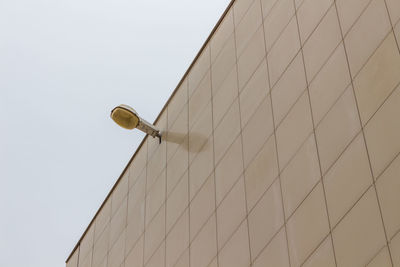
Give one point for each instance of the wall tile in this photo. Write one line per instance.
(307, 227)
(378, 78)
(155, 198)
(201, 167)
(156, 166)
(382, 259)
(183, 261)
(337, 129)
(199, 99)
(177, 202)
(100, 248)
(277, 20)
(200, 132)
(275, 254)
(395, 250)
(73, 261)
(359, 236)
(382, 133)
(310, 14)
(138, 165)
(214, 263)
(177, 240)
(297, 121)
(254, 92)
(366, 34)
(202, 206)
(329, 83)
(300, 175)
(236, 252)
(223, 63)
(136, 197)
(227, 131)
(267, 6)
(86, 244)
(283, 51)
(261, 172)
(158, 258)
(116, 254)
(231, 212)
(321, 43)
(118, 223)
(248, 26)
(347, 180)
(154, 234)
(257, 130)
(322, 256)
(224, 97)
(199, 69)
(135, 255)
(251, 57)
(177, 132)
(349, 11)
(288, 89)
(176, 167)
(265, 219)
(224, 31)
(135, 227)
(204, 246)
(229, 169)
(388, 187)
(119, 193)
(240, 8)
(397, 31)
(178, 101)
(394, 10)
(86, 261)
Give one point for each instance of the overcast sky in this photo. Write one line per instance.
(63, 66)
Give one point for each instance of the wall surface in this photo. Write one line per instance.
(281, 148)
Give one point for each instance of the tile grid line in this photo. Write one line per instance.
(165, 193)
(272, 45)
(392, 90)
(363, 133)
(92, 252)
(313, 124)
(188, 168)
(275, 139)
(126, 219)
(394, 26)
(79, 254)
(377, 253)
(145, 204)
(213, 144)
(241, 132)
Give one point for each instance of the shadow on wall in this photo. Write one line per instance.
(193, 145)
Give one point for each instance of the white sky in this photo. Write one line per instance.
(63, 66)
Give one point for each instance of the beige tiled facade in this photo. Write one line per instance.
(280, 148)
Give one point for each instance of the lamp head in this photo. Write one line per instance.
(125, 116)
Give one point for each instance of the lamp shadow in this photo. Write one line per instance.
(194, 144)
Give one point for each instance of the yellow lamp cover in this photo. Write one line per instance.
(125, 116)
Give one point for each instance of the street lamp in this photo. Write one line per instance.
(128, 118)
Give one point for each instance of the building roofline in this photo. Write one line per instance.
(155, 121)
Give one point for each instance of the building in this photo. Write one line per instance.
(281, 148)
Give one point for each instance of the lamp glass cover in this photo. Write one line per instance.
(125, 118)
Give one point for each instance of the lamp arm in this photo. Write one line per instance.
(148, 128)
